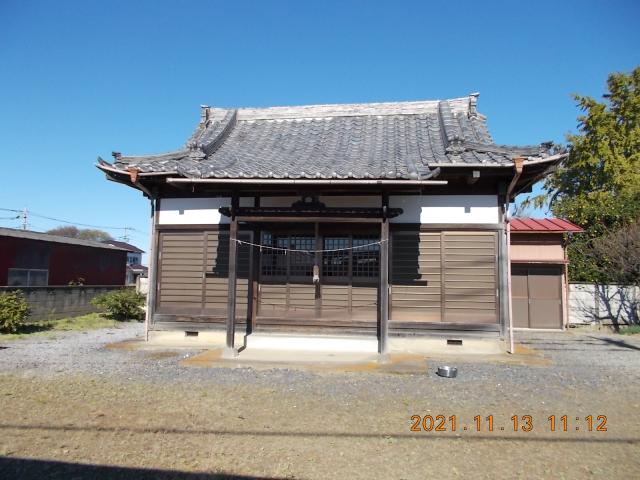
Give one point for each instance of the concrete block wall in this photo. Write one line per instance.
(589, 303)
(53, 302)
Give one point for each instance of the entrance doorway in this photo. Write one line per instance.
(346, 264)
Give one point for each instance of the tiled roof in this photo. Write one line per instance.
(543, 225)
(404, 140)
(127, 246)
(45, 237)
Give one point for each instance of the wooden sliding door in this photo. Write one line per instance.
(444, 277)
(193, 275)
(348, 268)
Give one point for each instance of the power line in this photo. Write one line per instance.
(310, 252)
(23, 212)
(81, 224)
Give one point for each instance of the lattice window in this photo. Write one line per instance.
(301, 263)
(336, 264)
(366, 259)
(278, 263)
(274, 262)
(340, 265)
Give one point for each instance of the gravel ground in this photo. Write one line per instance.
(112, 412)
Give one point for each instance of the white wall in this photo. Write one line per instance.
(193, 211)
(426, 209)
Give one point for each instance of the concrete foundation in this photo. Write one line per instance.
(309, 346)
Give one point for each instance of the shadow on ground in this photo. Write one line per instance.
(28, 328)
(319, 434)
(617, 343)
(30, 469)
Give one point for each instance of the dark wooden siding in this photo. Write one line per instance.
(470, 277)
(416, 277)
(436, 278)
(181, 272)
(446, 277)
(217, 275)
(193, 274)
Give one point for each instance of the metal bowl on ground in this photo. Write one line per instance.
(447, 372)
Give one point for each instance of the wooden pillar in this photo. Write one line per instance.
(233, 261)
(503, 280)
(255, 273)
(154, 252)
(384, 277)
(317, 261)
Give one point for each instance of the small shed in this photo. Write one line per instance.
(539, 279)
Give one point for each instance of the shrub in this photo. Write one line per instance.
(123, 304)
(14, 310)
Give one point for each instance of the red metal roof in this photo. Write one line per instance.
(544, 225)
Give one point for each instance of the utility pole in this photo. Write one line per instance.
(25, 218)
(125, 237)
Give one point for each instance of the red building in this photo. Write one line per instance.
(29, 259)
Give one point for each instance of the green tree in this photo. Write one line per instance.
(598, 185)
(94, 234)
(82, 233)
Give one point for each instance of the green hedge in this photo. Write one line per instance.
(14, 311)
(123, 304)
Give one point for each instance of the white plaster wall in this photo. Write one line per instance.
(427, 209)
(194, 211)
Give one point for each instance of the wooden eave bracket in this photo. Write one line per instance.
(133, 174)
(518, 163)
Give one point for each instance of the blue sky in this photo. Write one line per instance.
(83, 78)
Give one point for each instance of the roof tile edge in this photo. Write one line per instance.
(458, 105)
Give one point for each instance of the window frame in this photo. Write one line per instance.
(270, 259)
(29, 272)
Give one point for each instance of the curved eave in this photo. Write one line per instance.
(527, 162)
(536, 169)
(109, 168)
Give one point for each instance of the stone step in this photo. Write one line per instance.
(314, 343)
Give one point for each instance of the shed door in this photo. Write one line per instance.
(537, 296)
